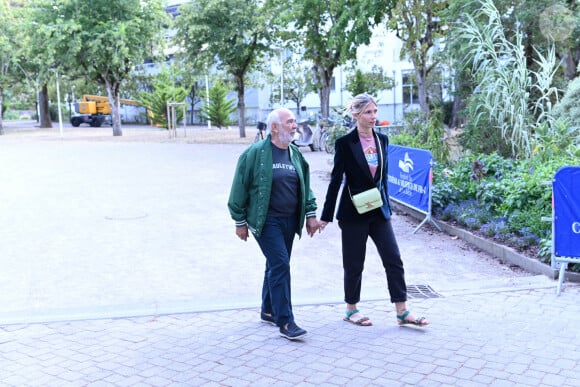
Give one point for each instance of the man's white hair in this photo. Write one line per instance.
(273, 118)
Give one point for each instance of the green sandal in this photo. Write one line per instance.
(363, 321)
(421, 321)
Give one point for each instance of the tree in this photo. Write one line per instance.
(371, 82)
(543, 23)
(330, 33)
(568, 108)
(220, 108)
(8, 52)
(164, 91)
(504, 96)
(194, 82)
(232, 34)
(101, 40)
(36, 63)
(298, 83)
(417, 24)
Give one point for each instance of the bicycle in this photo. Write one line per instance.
(331, 129)
(262, 126)
(324, 126)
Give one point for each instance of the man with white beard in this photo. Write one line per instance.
(272, 198)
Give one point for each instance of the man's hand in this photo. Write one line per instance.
(311, 226)
(242, 232)
(321, 225)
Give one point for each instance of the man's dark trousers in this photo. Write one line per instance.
(276, 244)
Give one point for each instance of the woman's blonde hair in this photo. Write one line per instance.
(358, 103)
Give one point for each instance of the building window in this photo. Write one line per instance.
(410, 95)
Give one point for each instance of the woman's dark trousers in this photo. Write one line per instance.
(354, 242)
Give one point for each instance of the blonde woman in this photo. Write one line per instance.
(361, 161)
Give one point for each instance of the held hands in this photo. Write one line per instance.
(311, 226)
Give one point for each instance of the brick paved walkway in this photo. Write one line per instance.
(509, 338)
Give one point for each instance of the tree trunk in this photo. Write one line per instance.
(422, 88)
(192, 95)
(570, 64)
(324, 95)
(113, 94)
(241, 106)
(323, 76)
(44, 109)
(457, 107)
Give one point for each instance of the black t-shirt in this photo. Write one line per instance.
(285, 185)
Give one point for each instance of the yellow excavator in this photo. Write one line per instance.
(95, 110)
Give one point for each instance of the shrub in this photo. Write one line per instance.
(220, 108)
(164, 92)
(502, 198)
(425, 133)
(495, 228)
(11, 115)
(568, 108)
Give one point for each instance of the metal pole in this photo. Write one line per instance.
(184, 126)
(394, 97)
(281, 77)
(207, 95)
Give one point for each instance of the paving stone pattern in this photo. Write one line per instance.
(508, 338)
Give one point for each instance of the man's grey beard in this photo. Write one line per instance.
(285, 137)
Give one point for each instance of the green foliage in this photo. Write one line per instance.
(512, 98)
(555, 141)
(526, 186)
(481, 135)
(8, 51)
(405, 138)
(435, 137)
(330, 32)
(233, 35)
(100, 40)
(425, 132)
(416, 23)
(298, 82)
(569, 108)
(220, 108)
(502, 198)
(163, 92)
(338, 130)
(10, 115)
(371, 82)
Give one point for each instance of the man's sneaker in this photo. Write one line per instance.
(294, 332)
(269, 319)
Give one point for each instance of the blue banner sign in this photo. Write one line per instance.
(409, 176)
(566, 188)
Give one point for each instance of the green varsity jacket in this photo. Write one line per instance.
(250, 194)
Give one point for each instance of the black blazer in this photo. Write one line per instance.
(350, 163)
